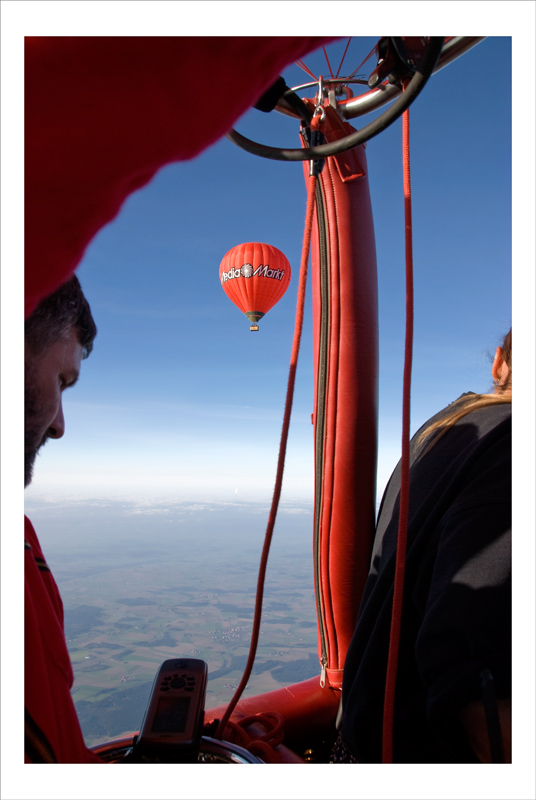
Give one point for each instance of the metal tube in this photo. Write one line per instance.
(386, 93)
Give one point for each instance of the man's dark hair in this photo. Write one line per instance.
(57, 315)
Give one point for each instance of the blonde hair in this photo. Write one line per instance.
(467, 403)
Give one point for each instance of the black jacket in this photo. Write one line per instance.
(457, 596)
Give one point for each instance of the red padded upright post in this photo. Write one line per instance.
(345, 331)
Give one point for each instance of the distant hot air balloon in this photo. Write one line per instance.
(255, 276)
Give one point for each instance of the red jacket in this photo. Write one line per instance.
(51, 727)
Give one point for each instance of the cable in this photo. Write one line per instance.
(399, 106)
(281, 459)
(400, 563)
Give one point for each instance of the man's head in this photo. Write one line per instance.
(57, 336)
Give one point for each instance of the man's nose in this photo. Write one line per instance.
(57, 426)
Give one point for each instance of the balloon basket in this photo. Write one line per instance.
(254, 328)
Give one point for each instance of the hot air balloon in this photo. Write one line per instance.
(255, 276)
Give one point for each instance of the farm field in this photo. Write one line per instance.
(128, 609)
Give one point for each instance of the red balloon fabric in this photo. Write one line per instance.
(104, 113)
(255, 276)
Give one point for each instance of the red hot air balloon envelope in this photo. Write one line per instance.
(255, 276)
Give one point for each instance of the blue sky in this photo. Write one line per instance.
(179, 397)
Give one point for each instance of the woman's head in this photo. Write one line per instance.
(502, 366)
(502, 393)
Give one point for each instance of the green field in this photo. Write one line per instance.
(127, 613)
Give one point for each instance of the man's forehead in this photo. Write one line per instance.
(70, 348)
(40, 346)
(65, 353)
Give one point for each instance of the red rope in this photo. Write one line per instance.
(363, 62)
(282, 452)
(344, 55)
(400, 564)
(305, 68)
(327, 61)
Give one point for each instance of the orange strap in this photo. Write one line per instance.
(282, 452)
(260, 744)
(400, 564)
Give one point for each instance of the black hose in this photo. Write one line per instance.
(492, 717)
(279, 93)
(415, 86)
